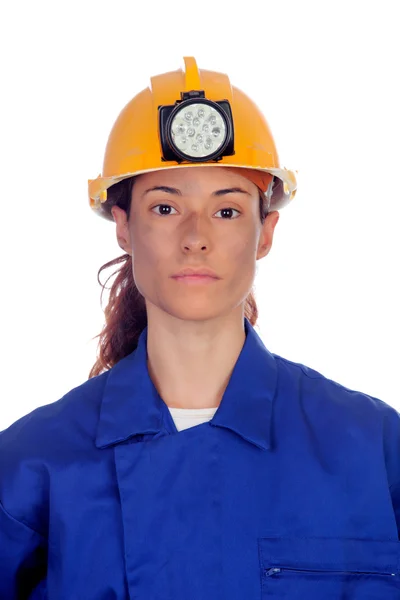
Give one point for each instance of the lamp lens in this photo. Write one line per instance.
(194, 121)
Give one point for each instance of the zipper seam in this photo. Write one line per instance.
(273, 570)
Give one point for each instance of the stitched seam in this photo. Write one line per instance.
(315, 375)
(22, 523)
(318, 376)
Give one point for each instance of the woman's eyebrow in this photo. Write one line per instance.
(171, 190)
(163, 188)
(230, 191)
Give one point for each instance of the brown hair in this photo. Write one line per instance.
(125, 313)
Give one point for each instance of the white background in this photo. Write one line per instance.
(325, 74)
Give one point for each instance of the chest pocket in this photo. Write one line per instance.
(329, 569)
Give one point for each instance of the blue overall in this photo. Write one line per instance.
(291, 491)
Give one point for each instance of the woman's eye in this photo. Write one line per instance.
(225, 210)
(164, 206)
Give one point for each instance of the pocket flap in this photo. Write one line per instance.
(330, 554)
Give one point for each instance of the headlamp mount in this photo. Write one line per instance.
(196, 129)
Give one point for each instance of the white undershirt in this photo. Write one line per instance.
(189, 417)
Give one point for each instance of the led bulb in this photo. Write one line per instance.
(203, 124)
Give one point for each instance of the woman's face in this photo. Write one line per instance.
(192, 228)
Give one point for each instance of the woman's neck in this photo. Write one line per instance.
(191, 368)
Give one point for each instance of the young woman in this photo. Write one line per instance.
(194, 463)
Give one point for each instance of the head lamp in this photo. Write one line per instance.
(196, 129)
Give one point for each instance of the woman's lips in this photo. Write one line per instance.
(195, 279)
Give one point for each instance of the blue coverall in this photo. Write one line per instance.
(291, 491)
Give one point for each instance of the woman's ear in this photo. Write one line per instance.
(122, 229)
(267, 234)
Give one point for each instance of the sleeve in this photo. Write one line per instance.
(395, 495)
(22, 559)
(391, 445)
(23, 545)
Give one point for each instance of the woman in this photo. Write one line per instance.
(194, 463)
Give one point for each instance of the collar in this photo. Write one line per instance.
(131, 405)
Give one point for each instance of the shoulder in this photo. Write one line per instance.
(331, 405)
(321, 389)
(45, 423)
(43, 441)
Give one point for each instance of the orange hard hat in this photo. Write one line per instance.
(192, 118)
